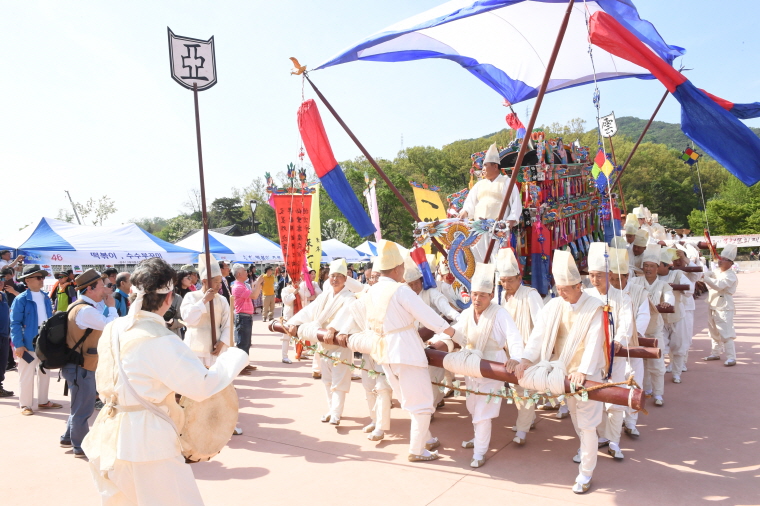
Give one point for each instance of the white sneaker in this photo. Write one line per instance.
(676, 379)
(237, 432)
(286, 360)
(376, 435)
(468, 444)
(631, 431)
(683, 369)
(669, 369)
(577, 457)
(730, 362)
(614, 450)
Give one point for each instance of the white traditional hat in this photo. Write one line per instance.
(506, 263)
(339, 266)
(642, 238)
(655, 218)
(647, 214)
(639, 212)
(596, 259)
(215, 270)
(729, 252)
(411, 271)
(658, 232)
(483, 278)
(492, 155)
(618, 260)
(631, 225)
(388, 255)
(564, 270)
(651, 254)
(667, 255)
(618, 242)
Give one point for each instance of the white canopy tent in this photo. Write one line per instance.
(55, 242)
(333, 249)
(251, 248)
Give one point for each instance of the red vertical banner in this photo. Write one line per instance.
(293, 212)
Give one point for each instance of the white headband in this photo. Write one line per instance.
(136, 306)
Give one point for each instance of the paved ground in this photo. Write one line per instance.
(703, 445)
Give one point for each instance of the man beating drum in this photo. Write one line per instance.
(136, 456)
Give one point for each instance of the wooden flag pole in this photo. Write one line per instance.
(532, 122)
(204, 215)
(372, 162)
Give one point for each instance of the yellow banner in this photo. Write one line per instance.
(429, 206)
(314, 253)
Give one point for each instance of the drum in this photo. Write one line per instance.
(208, 424)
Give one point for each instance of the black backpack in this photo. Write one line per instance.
(51, 347)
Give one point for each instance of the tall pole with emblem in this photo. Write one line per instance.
(193, 66)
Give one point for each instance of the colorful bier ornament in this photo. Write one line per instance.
(506, 263)
(689, 156)
(597, 257)
(483, 279)
(729, 252)
(564, 269)
(642, 238)
(388, 256)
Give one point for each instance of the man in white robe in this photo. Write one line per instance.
(391, 310)
(639, 245)
(568, 342)
(485, 198)
(318, 315)
(599, 272)
(721, 286)
(486, 330)
(524, 305)
(436, 300)
(661, 296)
(688, 257)
(288, 295)
(676, 326)
(307, 297)
(641, 309)
(135, 455)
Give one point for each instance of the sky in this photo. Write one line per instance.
(87, 103)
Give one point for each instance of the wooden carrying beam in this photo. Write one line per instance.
(649, 342)
(497, 371)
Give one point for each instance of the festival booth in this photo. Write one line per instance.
(55, 242)
(368, 248)
(333, 248)
(252, 248)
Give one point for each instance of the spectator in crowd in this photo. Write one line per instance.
(87, 318)
(172, 315)
(110, 275)
(12, 289)
(194, 278)
(350, 272)
(184, 283)
(252, 277)
(5, 337)
(224, 291)
(5, 260)
(30, 309)
(367, 273)
(121, 293)
(324, 273)
(62, 293)
(267, 291)
(244, 294)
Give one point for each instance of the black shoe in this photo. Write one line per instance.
(65, 443)
(11, 368)
(5, 393)
(99, 404)
(79, 454)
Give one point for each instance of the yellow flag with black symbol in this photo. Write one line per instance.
(430, 207)
(314, 246)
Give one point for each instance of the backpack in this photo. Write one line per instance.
(51, 347)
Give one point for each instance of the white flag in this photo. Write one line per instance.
(607, 125)
(192, 61)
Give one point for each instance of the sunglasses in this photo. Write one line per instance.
(35, 277)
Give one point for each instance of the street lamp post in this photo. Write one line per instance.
(254, 225)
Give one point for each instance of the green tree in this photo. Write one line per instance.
(177, 227)
(226, 211)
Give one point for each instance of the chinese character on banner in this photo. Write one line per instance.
(607, 125)
(192, 61)
(293, 244)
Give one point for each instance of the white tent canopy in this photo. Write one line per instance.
(333, 249)
(250, 248)
(55, 242)
(370, 248)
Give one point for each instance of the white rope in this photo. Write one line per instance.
(465, 362)
(363, 342)
(545, 376)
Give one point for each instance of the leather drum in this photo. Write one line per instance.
(208, 424)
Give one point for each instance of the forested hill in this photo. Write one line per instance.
(660, 132)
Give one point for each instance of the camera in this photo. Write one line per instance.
(170, 314)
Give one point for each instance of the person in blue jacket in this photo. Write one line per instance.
(30, 309)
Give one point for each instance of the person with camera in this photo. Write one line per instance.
(5, 260)
(30, 309)
(87, 319)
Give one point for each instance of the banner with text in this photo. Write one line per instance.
(292, 212)
(314, 244)
(429, 204)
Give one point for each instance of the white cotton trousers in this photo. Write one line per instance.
(154, 483)
(411, 384)
(677, 344)
(437, 375)
(612, 419)
(285, 339)
(526, 415)
(634, 368)
(337, 380)
(378, 393)
(689, 317)
(586, 418)
(720, 326)
(28, 375)
(482, 438)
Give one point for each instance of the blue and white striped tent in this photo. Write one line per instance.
(55, 242)
(251, 248)
(507, 43)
